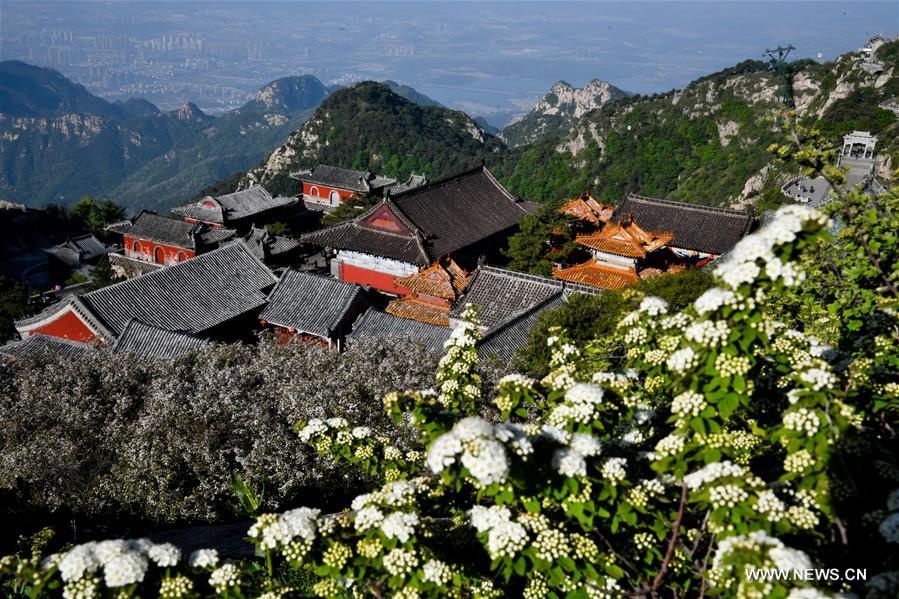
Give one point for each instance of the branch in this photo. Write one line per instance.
(705, 565)
(673, 541)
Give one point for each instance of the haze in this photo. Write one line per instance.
(489, 59)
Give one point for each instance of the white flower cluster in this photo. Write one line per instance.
(715, 298)
(668, 446)
(400, 526)
(123, 562)
(437, 572)
(653, 306)
(729, 365)
(578, 407)
(203, 558)
(271, 531)
(727, 496)
(688, 404)
(481, 452)
(742, 265)
(505, 537)
(316, 427)
(517, 380)
(225, 577)
(708, 333)
(799, 461)
(613, 470)
(712, 472)
(571, 461)
(802, 419)
(751, 545)
(682, 360)
(771, 506)
(818, 378)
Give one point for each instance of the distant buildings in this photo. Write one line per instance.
(325, 187)
(75, 255)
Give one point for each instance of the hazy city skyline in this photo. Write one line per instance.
(489, 59)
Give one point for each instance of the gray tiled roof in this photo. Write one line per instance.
(44, 346)
(162, 229)
(233, 206)
(194, 295)
(311, 303)
(411, 183)
(148, 341)
(265, 245)
(443, 217)
(374, 324)
(77, 249)
(344, 178)
(700, 228)
(499, 293)
(504, 340)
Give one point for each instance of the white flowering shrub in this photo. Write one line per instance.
(711, 451)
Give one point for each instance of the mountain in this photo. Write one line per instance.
(559, 110)
(707, 143)
(411, 94)
(59, 142)
(369, 127)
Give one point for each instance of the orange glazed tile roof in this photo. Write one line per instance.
(415, 309)
(625, 239)
(597, 275)
(437, 280)
(587, 209)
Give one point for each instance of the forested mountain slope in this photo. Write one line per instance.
(59, 142)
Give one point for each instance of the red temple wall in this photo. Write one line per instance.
(67, 326)
(148, 250)
(365, 276)
(324, 192)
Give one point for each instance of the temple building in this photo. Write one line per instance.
(432, 292)
(313, 308)
(325, 187)
(700, 232)
(75, 255)
(217, 294)
(151, 342)
(151, 241)
(45, 347)
(588, 210)
(464, 217)
(374, 324)
(241, 210)
(272, 249)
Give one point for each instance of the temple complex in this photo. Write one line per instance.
(588, 210)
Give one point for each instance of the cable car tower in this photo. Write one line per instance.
(778, 64)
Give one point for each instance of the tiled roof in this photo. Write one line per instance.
(148, 341)
(700, 228)
(442, 218)
(598, 275)
(624, 239)
(504, 340)
(587, 209)
(379, 325)
(344, 178)
(162, 229)
(438, 280)
(216, 235)
(233, 206)
(311, 303)
(45, 346)
(411, 183)
(74, 250)
(192, 296)
(70, 302)
(415, 309)
(265, 245)
(499, 293)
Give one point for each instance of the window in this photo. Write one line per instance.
(135, 247)
(335, 198)
(313, 191)
(181, 257)
(159, 255)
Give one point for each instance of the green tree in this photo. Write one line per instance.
(542, 240)
(13, 305)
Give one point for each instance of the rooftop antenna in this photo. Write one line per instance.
(778, 63)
